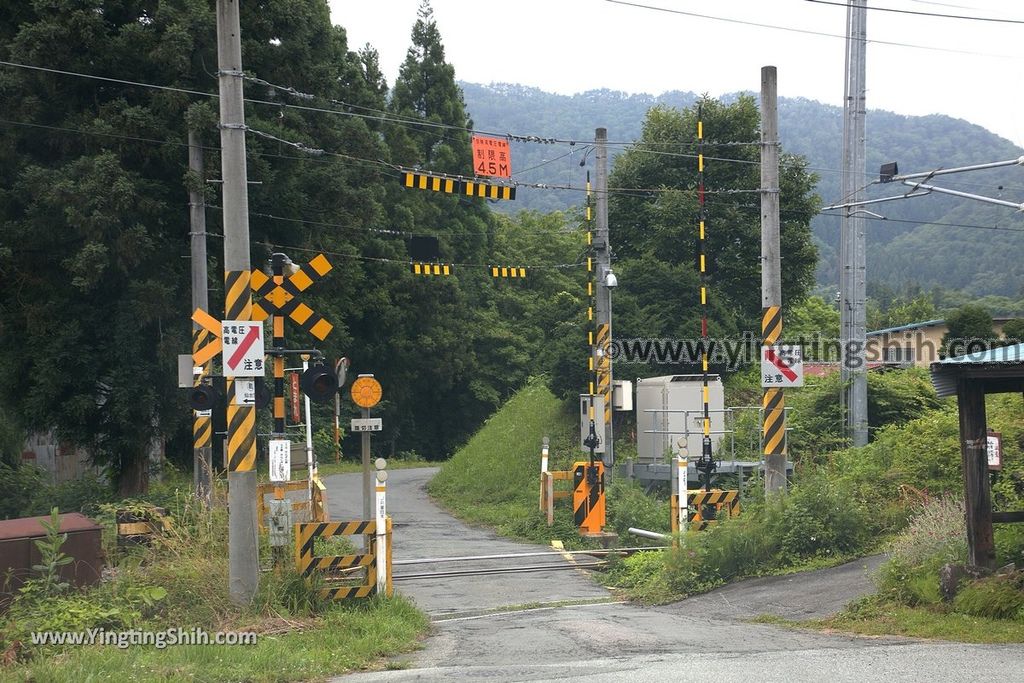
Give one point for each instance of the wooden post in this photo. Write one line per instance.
(977, 496)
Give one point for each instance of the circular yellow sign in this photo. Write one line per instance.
(366, 392)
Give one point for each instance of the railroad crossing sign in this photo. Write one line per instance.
(213, 346)
(366, 391)
(242, 346)
(281, 299)
(782, 366)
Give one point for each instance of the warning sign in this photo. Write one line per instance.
(243, 351)
(782, 367)
(280, 451)
(491, 157)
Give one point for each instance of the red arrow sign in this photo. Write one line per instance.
(774, 359)
(248, 340)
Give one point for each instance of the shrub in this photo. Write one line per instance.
(18, 483)
(994, 597)
(936, 534)
(629, 506)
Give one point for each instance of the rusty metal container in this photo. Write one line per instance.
(18, 552)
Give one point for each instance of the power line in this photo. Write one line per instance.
(156, 141)
(941, 225)
(924, 14)
(803, 31)
(382, 259)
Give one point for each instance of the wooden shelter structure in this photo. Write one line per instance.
(970, 378)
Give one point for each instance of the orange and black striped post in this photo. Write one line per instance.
(773, 403)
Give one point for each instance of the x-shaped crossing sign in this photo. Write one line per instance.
(280, 299)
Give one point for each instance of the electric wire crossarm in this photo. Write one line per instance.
(920, 187)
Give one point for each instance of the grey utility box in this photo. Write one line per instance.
(671, 406)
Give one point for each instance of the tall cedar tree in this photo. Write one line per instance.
(94, 243)
(448, 358)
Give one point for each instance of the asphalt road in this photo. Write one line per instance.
(481, 633)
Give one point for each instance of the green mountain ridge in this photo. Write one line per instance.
(911, 246)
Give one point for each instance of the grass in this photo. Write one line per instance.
(301, 637)
(345, 638)
(877, 617)
(494, 479)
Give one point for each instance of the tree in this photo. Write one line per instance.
(654, 228)
(93, 204)
(1013, 331)
(969, 329)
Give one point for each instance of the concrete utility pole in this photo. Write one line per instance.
(243, 547)
(852, 279)
(202, 425)
(773, 430)
(603, 303)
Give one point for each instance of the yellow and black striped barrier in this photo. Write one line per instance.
(458, 186)
(508, 272)
(138, 526)
(705, 507)
(335, 568)
(431, 269)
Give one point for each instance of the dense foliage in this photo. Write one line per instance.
(94, 247)
(930, 241)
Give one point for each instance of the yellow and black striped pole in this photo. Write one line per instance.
(277, 263)
(705, 464)
(241, 448)
(591, 294)
(202, 423)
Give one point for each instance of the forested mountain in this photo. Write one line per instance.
(909, 247)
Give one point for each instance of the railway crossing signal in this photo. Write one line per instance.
(281, 299)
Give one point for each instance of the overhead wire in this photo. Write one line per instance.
(636, 145)
(792, 29)
(404, 262)
(923, 14)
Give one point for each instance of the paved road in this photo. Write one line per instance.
(702, 638)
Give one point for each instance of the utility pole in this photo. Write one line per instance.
(202, 424)
(773, 430)
(603, 298)
(852, 284)
(243, 548)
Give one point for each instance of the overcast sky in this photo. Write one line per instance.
(973, 72)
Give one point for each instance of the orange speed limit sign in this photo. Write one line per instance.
(366, 391)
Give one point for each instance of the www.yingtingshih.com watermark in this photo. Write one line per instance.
(736, 352)
(159, 639)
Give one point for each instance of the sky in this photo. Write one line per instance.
(964, 68)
